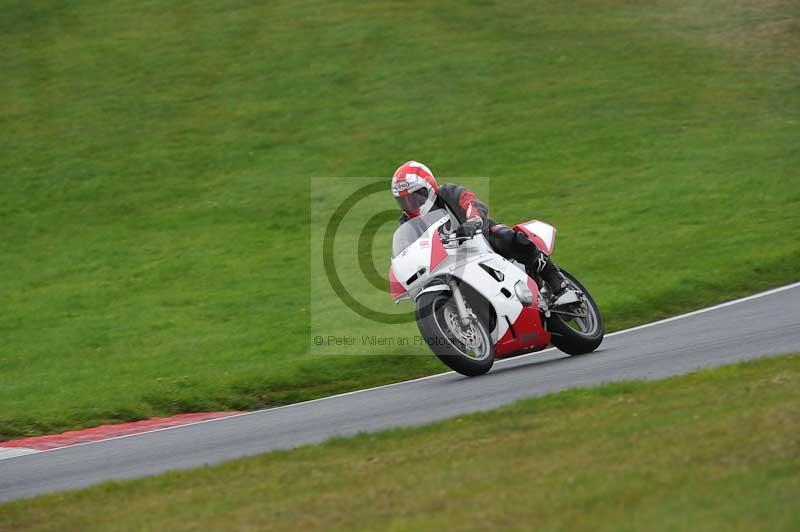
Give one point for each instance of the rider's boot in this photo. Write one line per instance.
(541, 267)
(550, 274)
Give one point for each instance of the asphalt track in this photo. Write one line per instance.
(760, 325)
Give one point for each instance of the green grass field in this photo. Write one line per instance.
(713, 450)
(155, 162)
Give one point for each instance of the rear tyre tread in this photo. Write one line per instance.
(568, 340)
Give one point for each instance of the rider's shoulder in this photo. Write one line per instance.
(450, 188)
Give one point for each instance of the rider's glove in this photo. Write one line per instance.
(470, 227)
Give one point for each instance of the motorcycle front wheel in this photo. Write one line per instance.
(466, 349)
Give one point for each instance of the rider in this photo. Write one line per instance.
(417, 192)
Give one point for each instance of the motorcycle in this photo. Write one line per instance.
(473, 306)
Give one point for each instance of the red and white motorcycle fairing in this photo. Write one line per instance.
(422, 263)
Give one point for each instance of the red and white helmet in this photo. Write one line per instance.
(415, 188)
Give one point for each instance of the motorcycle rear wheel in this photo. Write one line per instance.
(576, 336)
(467, 350)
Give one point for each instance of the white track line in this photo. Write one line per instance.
(435, 376)
(11, 452)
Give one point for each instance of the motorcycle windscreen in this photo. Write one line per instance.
(411, 230)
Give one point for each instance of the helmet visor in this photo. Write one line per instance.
(413, 200)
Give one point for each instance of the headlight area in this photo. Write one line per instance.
(524, 293)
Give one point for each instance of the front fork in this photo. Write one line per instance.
(458, 297)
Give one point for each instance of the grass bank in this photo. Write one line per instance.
(155, 157)
(713, 450)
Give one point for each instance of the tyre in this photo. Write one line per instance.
(577, 335)
(467, 350)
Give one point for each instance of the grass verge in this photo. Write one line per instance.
(713, 450)
(154, 207)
